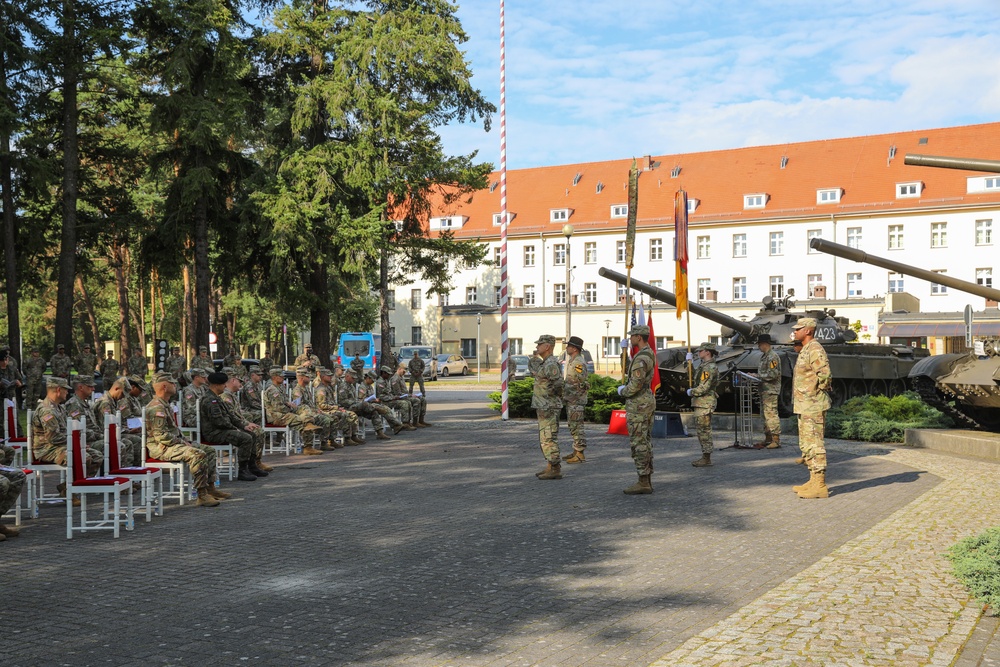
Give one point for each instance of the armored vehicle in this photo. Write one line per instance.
(858, 368)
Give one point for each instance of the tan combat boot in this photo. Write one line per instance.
(218, 493)
(423, 423)
(263, 466)
(552, 471)
(409, 427)
(205, 498)
(355, 441)
(380, 435)
(576, 457)
(311, 451)
(818, 488)
(803, 487)
(704, 461)
(8, 531)
(642, 487)
(774, 444)
(801, 461)
(763, 443)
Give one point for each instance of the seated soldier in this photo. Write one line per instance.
(367, 393)
(301, 396)
(11, 483)
(220, 425)
(398, 402)
(190, 396)
(326, 402)
(231, 398)
(164, 442)
(78, 407)
(48, 427)
(280, 412)
(114, 402)
(250, 394)
(419, 403)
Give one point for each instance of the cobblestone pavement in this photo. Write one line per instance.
(441, 548)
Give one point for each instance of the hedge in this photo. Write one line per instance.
(603, 398)
(882, 419)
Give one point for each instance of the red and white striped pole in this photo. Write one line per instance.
(504, 351)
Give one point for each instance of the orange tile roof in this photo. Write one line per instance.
(719, 180)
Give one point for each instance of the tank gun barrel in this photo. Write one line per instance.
(971, 164)
(746, 330)
(853, 254)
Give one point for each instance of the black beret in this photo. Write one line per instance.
(218, 378)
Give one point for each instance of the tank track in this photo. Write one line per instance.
(927, 389)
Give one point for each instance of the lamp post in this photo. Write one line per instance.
(567, 231)
(607, 341)
(479, 370)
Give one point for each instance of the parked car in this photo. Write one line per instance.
(425, 352)
(452, 364)
(586, 357)
(519, 367)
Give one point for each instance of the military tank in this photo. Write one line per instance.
(962, 385)
(857, 368)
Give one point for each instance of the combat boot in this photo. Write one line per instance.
(311, 451)
(774, 444)
(552, 471)
(803, 487)
(218, 493)
(818, 488)
(423, 423)
(355, 441)
(244, 474)
(576, 457)
(763, 443)
(205, 499)
(8, 531)
(263, 466)
(409, 427)
(642, 487)
(801, 460)
(255, 471)
(380, 435)
(704, 461)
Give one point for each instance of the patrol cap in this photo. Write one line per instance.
(276, 372)
(301, 372)
(60, 346)
(337, 365)
(198, 372)
(85, 379)
(764, 338)
(805, 323)
(546, 338)
(255, 369)
(370, 375)
(175, 348)
(576, 342)
(160, 378)
(123, 383)
(228, 370)
(639, 330)
(86, 346)
(708, 347)
(54, 381)
(325, 371)
(308, 346)
(35, 349)
(351, 373)
(202, 348)
(386, 369)
(218, 378)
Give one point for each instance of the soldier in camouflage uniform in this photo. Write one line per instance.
(114, 401)
(282, 413)
(165, 442)
(48, 427)
(547, 400)
(301, 396)
(203, 360)
(325, 395)
(34, 369)
(11, 483)
(307, 359)
(575, 396)
(400, 403)
(175, 364)
(231, 397)
(769, 372)
(416, 367)
(266, 362)
(78, 407)
(640, 404)
(230, 359)
(418, 403)
(60, 362)
(109, 370)
(703, 400)
(367, 394)
(137, 365)
(358, 365)
(190, 396)
(219, 424)
(10, 379)
(810, 383)
(250, 394)
(350, 395)
(86, 362)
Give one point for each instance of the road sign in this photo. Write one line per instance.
(212, 338)
(968, 326)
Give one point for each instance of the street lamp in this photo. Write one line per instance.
(479, 370)
(607, 341)
(567, 231)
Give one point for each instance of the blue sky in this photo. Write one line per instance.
(590, 80)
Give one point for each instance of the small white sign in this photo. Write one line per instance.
(980, 348)
(134, 422)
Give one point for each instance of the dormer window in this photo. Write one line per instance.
(693, 204)
(445, 223)
(559, 214)
(758, 200)
(828, 196)
(909, 190)
(983, 184)
(619, 211)
(449, 222)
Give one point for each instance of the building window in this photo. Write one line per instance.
(895, 282)
(620, 252)
(470, 294)
(905, 190)
(939, 234)
(739, 289)
(559, 254)
(516, 346)
(496, 255)
(828, 196)
(984, 277)
(693, 204)
(661, 342)
(416, 336)
(704, 247)
(655, 250)
(754, 201)
(416, 299)
(590, 293)
(445, 223)
(443, 299)
(854, 237)
(777, 243)
(853, 285)
(656, 283)
(937, 289)
(496, 295)
(895, 237)
(469, 348)
(529, 255)
(529, 295)
(704, 285)
(813, 281)
(777, 287)
(590, 252)
(612, 346)
(619, 211)
(497, 219)
(739, 245)
(559, 215)
(984, 232)
(620, 294)
(390, 298)
(810, 235)
(560, 294)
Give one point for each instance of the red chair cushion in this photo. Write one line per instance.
(133, 471)
(100, 481)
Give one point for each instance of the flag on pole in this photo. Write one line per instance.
(681, 250)
(625, 344)
(641, 320)
(655, 383)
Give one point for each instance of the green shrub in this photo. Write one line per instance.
(603, 398)
(976, 561)
(882, 419)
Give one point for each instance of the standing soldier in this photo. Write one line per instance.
(86, 362)
(547, 400)
(640, 404)
(282, 413)
(769, 372)
(61, 363)
(703, 400)
(416, 367)
(34, 369)
(164, 442)
(175, 364)
(190, 396)
(219, 425)
(358, 365)
(575, 396)
(307, 359)
(238, 368)
(202, 361)
(109, 370)
(810, 383)
(419, 403)
(230, 359)
(137, 364)
(266, 362)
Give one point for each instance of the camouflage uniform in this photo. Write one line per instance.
(61, 365)
(640, 404)
(301, 396)
(164, 442)
(11, 483)
(810, 383)
(137, 365)
(9, 377)
(547, 401)
(175, 364)
(575, 397)
(307, 359)
(202, 362)
(85, 363)
(109, 371)
(769, 372)
(48, 428)
(402, 406)
(250, 399)
(129, 444)
(265, 364)
(703, 400)
(190, 396)
(344, 421)
(377, 408)
(34, 369)
(418, 404)
(282, 413)
(358, 366)
(219, 424)
(416, 367)
(77, 408)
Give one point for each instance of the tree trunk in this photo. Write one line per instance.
(91, 314)
(9, 233)
(121, 285)
(383, 303)
(71, 173)
(187, 330)
(202, 278)
(152, 306)
(163, 311)
(140, 324)
(319, 314)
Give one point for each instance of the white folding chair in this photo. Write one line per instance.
(149, 477)
(39, 469)
(272, 430)
(78, 483)
(179, 482)
(12, 437)
(226, 461)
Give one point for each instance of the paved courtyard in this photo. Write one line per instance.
(441, 548)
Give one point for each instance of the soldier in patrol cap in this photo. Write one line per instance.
(220, 424)
(202, 361)
(393, 399)
(48, 425)
(547, 400)
(640, 404)
(769, 372)
(281, 412)
(575, 396)
(810, 383)
(61, 363)
(703, 400)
